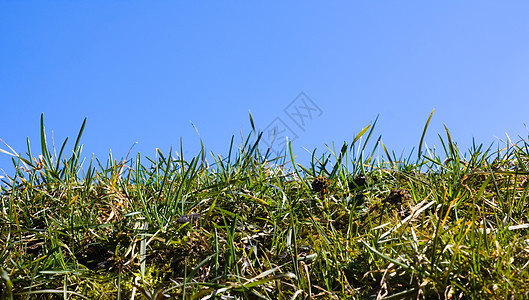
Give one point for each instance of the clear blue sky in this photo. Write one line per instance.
(140, 71)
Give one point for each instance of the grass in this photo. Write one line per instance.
(350, 224)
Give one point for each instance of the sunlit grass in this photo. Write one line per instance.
(250, 225)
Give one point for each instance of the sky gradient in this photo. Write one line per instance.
(141, 72)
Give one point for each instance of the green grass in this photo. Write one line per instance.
(350, 224)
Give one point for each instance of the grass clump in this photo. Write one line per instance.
(248, 225)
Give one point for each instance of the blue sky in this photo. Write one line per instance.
(141, 71)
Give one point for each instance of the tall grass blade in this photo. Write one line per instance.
(419, 153)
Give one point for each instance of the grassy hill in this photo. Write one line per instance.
(249, 226)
